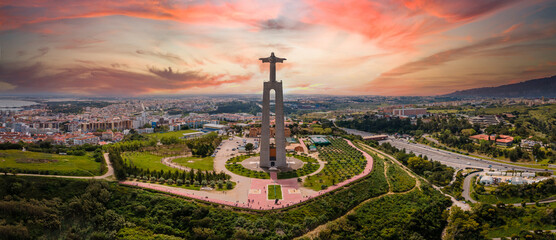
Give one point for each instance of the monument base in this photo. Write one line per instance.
(252, 163)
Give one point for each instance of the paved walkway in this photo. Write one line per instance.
(252, 193)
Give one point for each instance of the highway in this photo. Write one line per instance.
(446, 157)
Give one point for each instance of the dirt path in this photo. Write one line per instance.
(168, 161)
(386, 177)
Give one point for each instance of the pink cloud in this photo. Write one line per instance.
(398, 24)
(18, 13)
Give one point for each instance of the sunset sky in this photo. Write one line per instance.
(354, 47)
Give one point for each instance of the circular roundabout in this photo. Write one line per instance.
(248, 166)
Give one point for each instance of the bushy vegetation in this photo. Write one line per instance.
(399, 179)
(435, 172)
(531, 192)
(456, 188)
(414, 215)
(486, 221)
(342, 162)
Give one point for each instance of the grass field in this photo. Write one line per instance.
(205, 164)
(145, 161)
(234, 165)
(46, 163)
(274, 192)
(170, 134)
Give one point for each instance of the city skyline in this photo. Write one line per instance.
(351, 48)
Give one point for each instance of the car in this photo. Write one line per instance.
(468, 163)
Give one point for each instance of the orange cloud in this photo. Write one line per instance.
(16, 14)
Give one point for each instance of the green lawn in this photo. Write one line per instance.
(46, 163)
(205, 164)
(234, 165)
(171, 134)
(274, 192)
(145, 161)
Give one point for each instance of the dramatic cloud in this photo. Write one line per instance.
(109, 81)
(388, 47)
(18, 13)
(501, 45)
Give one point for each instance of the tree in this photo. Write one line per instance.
(249, 147)
(462, 226)
(418, 164)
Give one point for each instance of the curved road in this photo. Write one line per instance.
(467, 187)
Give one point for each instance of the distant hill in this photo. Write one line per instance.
(532, 88)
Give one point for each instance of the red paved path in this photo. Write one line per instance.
(259, 200)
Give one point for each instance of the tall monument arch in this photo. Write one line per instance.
(273, 157)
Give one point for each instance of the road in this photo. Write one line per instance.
(467, 187)
(456, 160)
